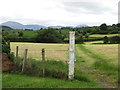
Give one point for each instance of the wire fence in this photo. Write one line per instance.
(58, 55)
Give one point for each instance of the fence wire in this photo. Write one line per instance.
(58, 55)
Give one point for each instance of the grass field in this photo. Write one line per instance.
(106, 51)
(103, 35)
(98, 61)
(52, 51)
(25, 33)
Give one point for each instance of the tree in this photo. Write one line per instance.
(80, 39)
(49, 36)
(5, 46)
(115, 40)
(105, 40)
(118, 25)
(20, 34)
(87, 35)
(103, 27)
(113, 25)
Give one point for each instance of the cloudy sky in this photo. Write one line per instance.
(59, 12)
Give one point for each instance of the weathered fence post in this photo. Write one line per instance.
(16, 51)
(24, 59)
(71, 55)
(43, 54)
(43, 60)
(8, 43)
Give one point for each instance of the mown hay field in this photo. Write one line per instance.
(103, 35)
(60, 51)
(98, 61)
(109, 51)
(52, 51)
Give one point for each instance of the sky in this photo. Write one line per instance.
(60, 12)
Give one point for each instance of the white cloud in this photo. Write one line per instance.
(56, 12)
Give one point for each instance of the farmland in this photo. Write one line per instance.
(52, 51)
(103, 35)
(55, 50)
(60, 44)
(95, 61)
(98, 61)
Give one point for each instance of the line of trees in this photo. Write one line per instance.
(111, 40)
(51, 35)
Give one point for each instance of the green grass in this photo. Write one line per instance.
(103, 35)
(101, 62)
(22, 81)
(97, 66)
(25, 33)
(94, 42)
(109, 52)
(53, 69)
(91, 64)
(30, 33)
(55, 76)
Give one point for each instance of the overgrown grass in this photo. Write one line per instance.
(53, 69)
(23, 81)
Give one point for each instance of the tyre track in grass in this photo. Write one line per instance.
(87, 61)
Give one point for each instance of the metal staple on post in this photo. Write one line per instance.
(24, 59)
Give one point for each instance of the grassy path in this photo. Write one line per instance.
(97, 67)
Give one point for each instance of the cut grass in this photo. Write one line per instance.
(109, 51)
(52, 51)
(97, 67)
(94, 42)
(101, 62)
(103, 35)
(22, 81)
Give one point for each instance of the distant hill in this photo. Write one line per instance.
(34, 27)
(16, 25)
(82, 25)
(58, 27)
(6, 27)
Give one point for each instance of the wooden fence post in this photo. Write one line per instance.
(43, 60)
(43, 54)
(71, 55)
(16, 51)
(8, 43)
(24, 59)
